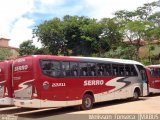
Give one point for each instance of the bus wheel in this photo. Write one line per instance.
(136, 95)
(87, 102)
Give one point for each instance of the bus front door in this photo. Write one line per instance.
(144, 82)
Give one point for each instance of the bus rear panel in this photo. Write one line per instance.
(6, 91)
(24, 82)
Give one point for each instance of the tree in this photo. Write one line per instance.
(139, 24)
(145, 11)
(136, 31)
(81, 34)
(27, 48)
(42, 51)
(74, 35)
(51, 34)
(75, 30)
(91, 37)
(123, 52)
(5, 53)
(111, 32)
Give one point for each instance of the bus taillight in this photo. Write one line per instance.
(34, 94)
(6, 92)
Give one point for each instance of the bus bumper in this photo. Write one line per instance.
(34, 103)
(37, 103)
(6, 101)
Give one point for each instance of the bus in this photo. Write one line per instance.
(6, 92)
(154, 78)
(43, 81)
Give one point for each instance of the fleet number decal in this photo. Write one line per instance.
(21, 68)
(58, 84)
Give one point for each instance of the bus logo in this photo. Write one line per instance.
(46, 85)
(93, 82)
(24, 85)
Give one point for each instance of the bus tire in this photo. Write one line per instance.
(135, 95)
(87, 102)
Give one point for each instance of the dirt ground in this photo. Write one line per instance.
(146, 105)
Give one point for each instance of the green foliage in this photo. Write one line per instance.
(5, 53)
(50, 33)
(123, 52)
(80, 35)
(79, 32)
(42, 51)
(111, 33)
(141, 24)
(75, 35)
(27, 48)
(145, 61)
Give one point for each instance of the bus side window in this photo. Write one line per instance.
(133, 71)
(83, 69)
(121, 70)
(74, 69)
(91, 69)
(127, 70)
(142, 72)
(115, 70)
(155, 72)
(65, 68)
(101, 69)
(56, 71)
(108, 70)
(130, 70)
(51, 68)
(158, 72)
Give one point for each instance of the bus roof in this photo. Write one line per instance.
(158, 65)
(111, 60)
(124, 61)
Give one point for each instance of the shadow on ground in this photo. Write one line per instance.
(68, 110)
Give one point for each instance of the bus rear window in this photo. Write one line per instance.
(50, 68)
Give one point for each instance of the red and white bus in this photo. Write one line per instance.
(154, 78)
(42, 81)
(6, 92)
